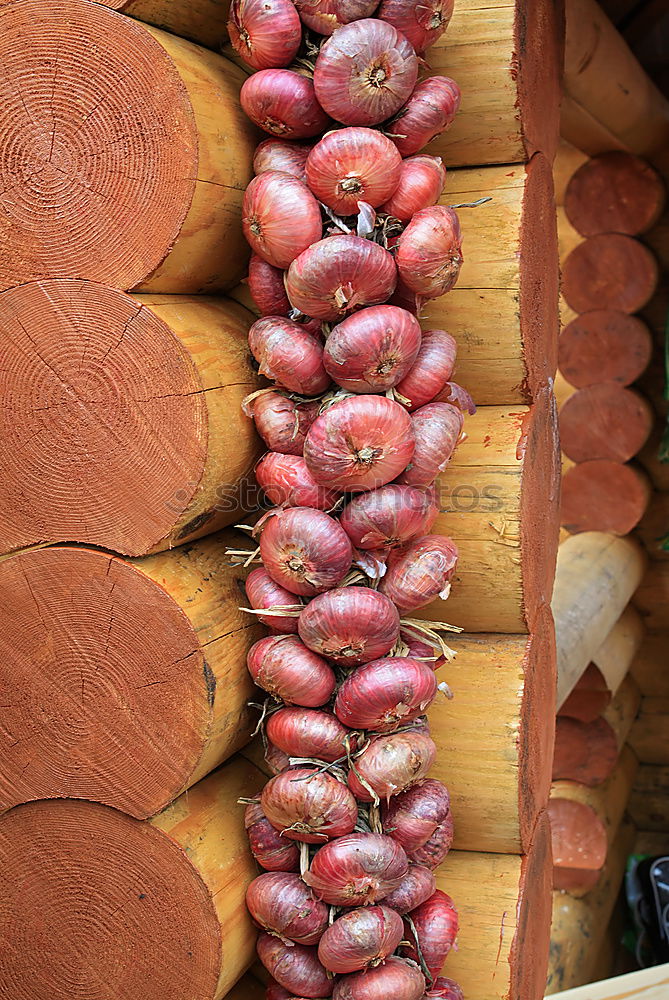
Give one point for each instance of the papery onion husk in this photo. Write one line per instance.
(430, 110)
(284, 104)
(287, 481)
(421, 21)
(420, 649)
(267, 289)
(340, 274)
(360, 939)
(457, 396)
(275, 758)
(357, 870)
(304, 550)
(420, 571)
(431, 371)
(325, 16)
(280, 217)
(310, 806)
(281, 154)
(272, 851)
(289, 354)
(437, 847)
(359, 443)
(442, 989)
(389, 516)
(372, 350)
(420, 184)
(437, 428)
(365, 72)
(263, 592)
(295, 967)
(304, 732)
(382, 695)
(351, 165)
(281, 904)
(390, 764)
(417, 885)
(265, 33)
(281, 422)
(284, 667)
(350, 625)
(412, 817)
(436, 925)
(396, 979)
(429, 252)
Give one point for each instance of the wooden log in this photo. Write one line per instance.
(202, 21)
(653, 530)
(568, 237)
(151, 909)
(616, 654)
(127, 680)
(605, 421)
(578, 843)
(248, 988)
(649, 732)
(596, 576)
(649, 803)
(623, 710)
(132, 185)
(568, 159)
(609, 271)
(651, 842)
(652, 597)
(646, 984)
(603, 496)
(588, 698)
(584, 751)
(580, 128)
(125, 429)
(614, 192)
(649, 666)
(604, 346)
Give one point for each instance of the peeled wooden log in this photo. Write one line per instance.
(604, 421)
(652, 597)
(623, 710)
(123, 176)
(202, 21)
(578, 844)
(125, 428)
(645, 984)
(128, 678)
(616, 654)
(648, 738)
(604, 346)
(649, 803)
(614, 192)
(584, 751)
(568, 159)
(596, 576)
(601, 495)
(155, 908)
(588, 698)
(653, 531)
(609, 271)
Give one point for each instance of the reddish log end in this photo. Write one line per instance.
(615, 192)
(609, 271)
(579, 844)
(530, 948)
(604, 346)
(603, 496)
(589, 697)
(604, 422)
(539, 46)
(584, 751)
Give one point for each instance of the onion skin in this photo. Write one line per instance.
(390, 764)
(280, 217)
(373, 349)
(412, 817)
(406, 299)
(276, 992)
(339, 274)
(417, 885)
(284, 667)
(436, 923)
(445, 989)
(281, 904)
(420, 184)
(430, 110)
(420, 572)
(275, 758)
(394, 980)
(305, 550)
(303, 732)
(287, 353)
(357, 870)
(325, 16)
(263, 592)
(437, 428)
(431, 371)
(384, 694)
(361, 938)
(421, 21)
(277, 154)
(365, 72)
(388, 517)
(352, 165)
(429, 252)
(272, 851)
(360, 443)
(265, 33)
(294, 967)
(284, 104)
(435, 850)
(266, 286)
(286, 481)
(351, 625)
(315, 805)
(282, 423)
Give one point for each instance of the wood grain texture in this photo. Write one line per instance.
(601, 495)
(609, 271)
(578, 840)
(614, 192)
(646, 984)
(202, 21)
(604, 346)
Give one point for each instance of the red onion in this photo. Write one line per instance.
(445, 989)
(268, 847)
(303, 732)
(265, 33)
(357, 869)
(309, 806)
(286, 481)
(284, 667)
(388, 517)
(420, 572)
(295, 967)
(373, 349)
(280, 217)
(431, 370)
(267, 288)
(430, 110)
(275, 758)
(304, 550)
(360, 443)
(420, 650)
(339, 274)
(276, 992)
(429, 251)
(436, 927)
(278, 154)
(263, 592)
(282, 423)
(284, 104)
(324, 16)
(421, 21)
(406, 299)
(365, 72)
(437, 428)
(394, 980)
(288, 354)
(417, 885)
(390, 764)
(437, 847)
(360, 939)
(384, 694)
(281, 904)
(420, 184)
(412, 817)
(457, 396)
(350, 625)
(352, 165)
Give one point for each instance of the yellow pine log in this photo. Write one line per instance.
(202, 21)
(646, 984)
(623, 709)
(615, 655)
(581, 129)
(568, 159)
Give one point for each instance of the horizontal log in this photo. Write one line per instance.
(614, 192)
(649, 803)
(151, 196)
(584, 751)
(248, 988)
(616, 654)
(128, 678)
(157, 908)
(202, 21)
(609, 271)
(588, 698)
(580, 128)
(568, 237)
(568, 159)
(652, 597)
(648, 738)
(604, 346)
(578, 843)
(623, 710)
(605, 421)
(649, 665)
(601, 495)
(653, 530)
(646, 984)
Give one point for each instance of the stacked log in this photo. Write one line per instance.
(201, 21)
